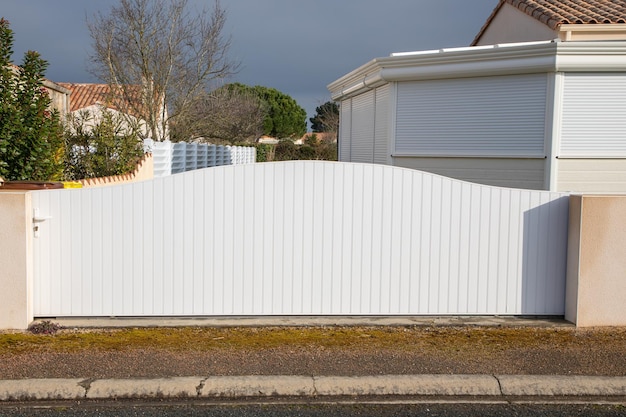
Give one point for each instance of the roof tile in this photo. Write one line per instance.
(557, 12)
(554, 13)
(85, 95)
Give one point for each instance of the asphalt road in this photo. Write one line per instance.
(310, 410)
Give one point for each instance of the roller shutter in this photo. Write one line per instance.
(594, 115)
(381, 140)
(345, 130)
(363, 110)
(483, 116)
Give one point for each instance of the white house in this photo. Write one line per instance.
(543, 113)
(94, 99)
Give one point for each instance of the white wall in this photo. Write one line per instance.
(587, 175)
(513, 25)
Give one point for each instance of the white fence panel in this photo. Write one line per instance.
(162, 156)
(300, 238)
(174, 158)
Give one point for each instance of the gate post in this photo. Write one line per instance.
(16, 260)
(596, 265)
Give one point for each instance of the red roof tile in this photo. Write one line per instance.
(85, 95)
(554, 13)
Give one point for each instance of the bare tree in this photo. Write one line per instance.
(223, 116)
(158, 56)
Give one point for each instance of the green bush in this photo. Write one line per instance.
(307, 152)
(264, 152)
(31, 135)
(285, 150)
(288, 151)
(100, 148)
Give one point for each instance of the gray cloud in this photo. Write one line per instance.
(295, 46)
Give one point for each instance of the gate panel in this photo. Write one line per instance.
(300, 238)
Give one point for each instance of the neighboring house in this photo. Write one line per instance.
(567, 20)
(59, 95)
(326, 137)
(267, 140)
(547, 114)
(96, 98)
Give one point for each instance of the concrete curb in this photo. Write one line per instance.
(312, 386)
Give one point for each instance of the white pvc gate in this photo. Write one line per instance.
(300, 238)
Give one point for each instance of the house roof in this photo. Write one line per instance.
(85, 95)
(554, 13)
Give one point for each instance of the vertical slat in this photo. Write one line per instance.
(362, 280)
(188, 225)
(147, 259)
(455, 240)
(258, 239)
(424, 276)
(277, 244)
(291, 215)
(127, 240)
(267, 243)
(87, 275)
(207, 193)
(384, 279)
(299, 219)
(217, 233)
(445, 208)
(198, 239)
(377, 227)
(434, 225)
(158, 230)
(395, 252)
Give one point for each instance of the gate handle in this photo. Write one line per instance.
(37, 218)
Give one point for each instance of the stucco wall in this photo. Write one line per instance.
(513, 25)
(16, 275)
(596, 273)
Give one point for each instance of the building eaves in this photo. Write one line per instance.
(480, 61)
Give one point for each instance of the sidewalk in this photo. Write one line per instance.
(478, 357)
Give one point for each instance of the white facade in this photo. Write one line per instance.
(531, 115)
